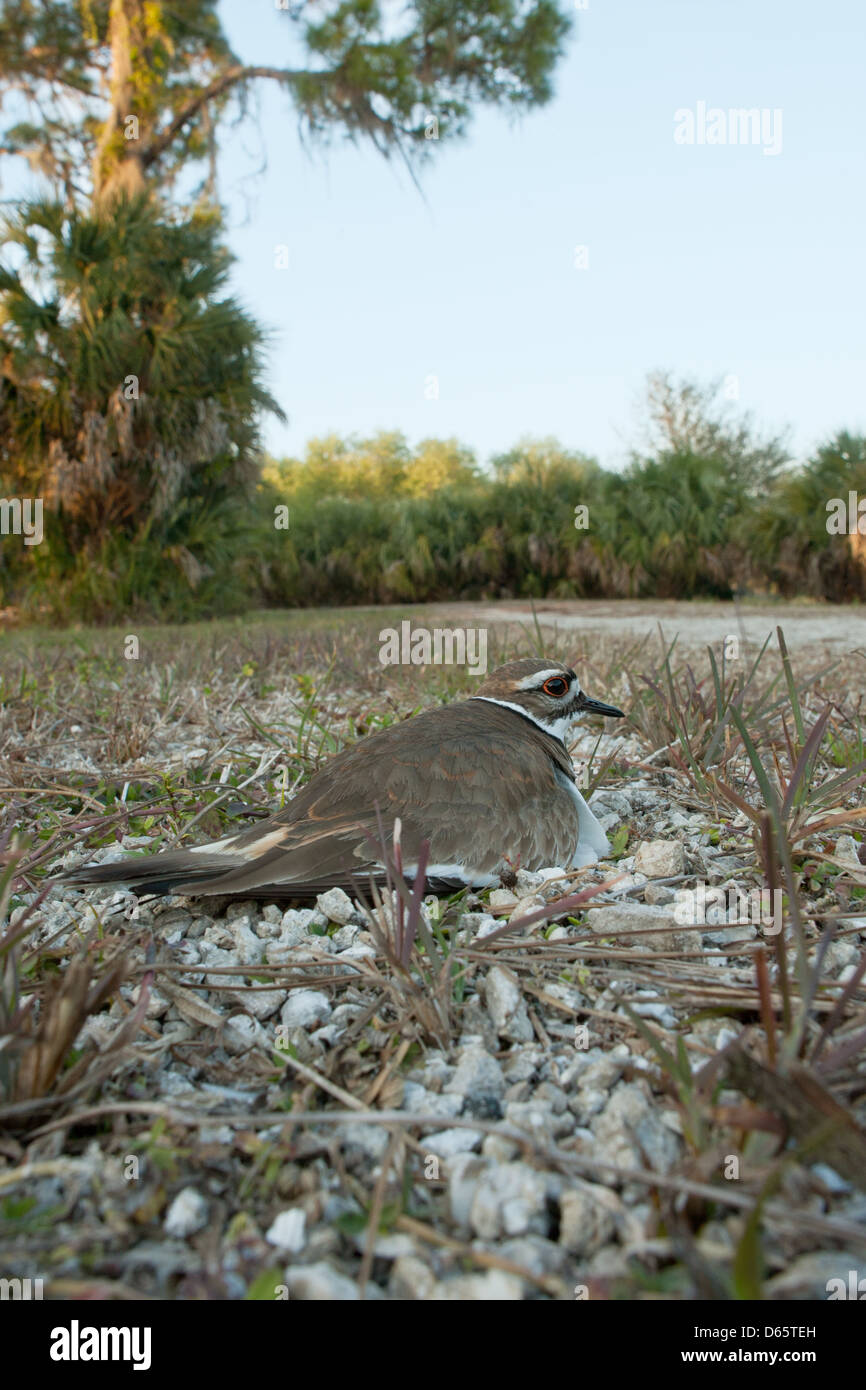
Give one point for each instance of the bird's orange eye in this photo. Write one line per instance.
(555, 686)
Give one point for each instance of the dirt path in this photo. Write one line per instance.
(834, 627)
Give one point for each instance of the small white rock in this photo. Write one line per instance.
(658, 894)
(478, 1077)
(587, 1217)
(261, 1003)
(660, 858)
(336, 905)
(506, 1005)
(623, 919)
(411, 1279)
(288, 1230)
(525, 907)
(241, 1033)
(445, 1143)
(503, 995)
(527, 883)
(846, 847)
(319, 1283)
(187, 1213)
(305, 1008)
(495, 1286)
(295, 925)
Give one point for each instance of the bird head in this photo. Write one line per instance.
(548, 691)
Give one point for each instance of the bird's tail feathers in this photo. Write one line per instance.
(179, 871)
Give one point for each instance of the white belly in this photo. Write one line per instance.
(592, 843)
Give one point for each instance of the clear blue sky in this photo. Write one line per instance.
(707, 260)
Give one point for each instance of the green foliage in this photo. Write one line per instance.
(709, 513)
(372, 469)
(373, 521)
(130, 396)
(790, 527)
(404, 82)
(679, 519)
(130, 384)
(688, 418)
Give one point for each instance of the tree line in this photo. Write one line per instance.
(132, 383)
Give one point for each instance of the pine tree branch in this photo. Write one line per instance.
(238, 73)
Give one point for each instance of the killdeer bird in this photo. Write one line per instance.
(486, 782)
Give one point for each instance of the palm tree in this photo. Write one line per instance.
(130, 381)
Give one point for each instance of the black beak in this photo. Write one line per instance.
(587, 706)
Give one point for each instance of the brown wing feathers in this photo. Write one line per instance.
(417, 770)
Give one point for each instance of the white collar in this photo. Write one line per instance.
(557, 730)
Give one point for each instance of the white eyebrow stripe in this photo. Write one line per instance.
(539, 677)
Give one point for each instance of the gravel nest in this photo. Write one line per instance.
(500, 1189)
